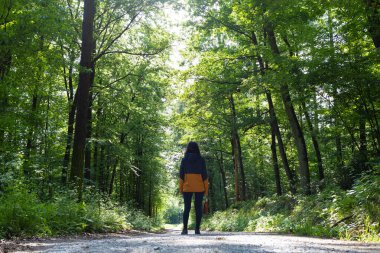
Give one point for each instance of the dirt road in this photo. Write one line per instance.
(215, 242)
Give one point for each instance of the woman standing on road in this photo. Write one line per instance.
(193, 180)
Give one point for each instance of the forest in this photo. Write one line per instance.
(99, 98)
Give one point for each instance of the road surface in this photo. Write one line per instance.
(215, 242)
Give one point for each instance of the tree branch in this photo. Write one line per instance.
(135, 53)
(116, 37)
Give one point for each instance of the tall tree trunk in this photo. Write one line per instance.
(121, 185)
(110, 189)
(108, 171)
(95, 174)
(375, 127)
(223, 175)
(72, 104)
(86, 64)
(5, 52)
(363, 156)
(339, 167)
(274, 123)
(321, 174)
(373, 15)
(238, 159)
(293, 121)
(276, 170)
(122, 137)
(316, 114)
(87, 157)
(236, 169)
(47, 145)
(69, 139)
(242, 173)
(3, 108)
(299, 140)
(150, 196)
(139, 178)
(95, 167)
(138, 192)
(29, 141)
(5, 65)
(101, 169)
(342, 174)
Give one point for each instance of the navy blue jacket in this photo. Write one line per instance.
(193, 174)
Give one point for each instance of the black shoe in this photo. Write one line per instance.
(197, 232)
(184, 232)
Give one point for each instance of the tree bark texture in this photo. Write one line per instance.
(274, 123)
(69, 139)
(86, 64)
(238, 159)
(314, 138)
(293, 121)
(373, 15)
(5, 52)
(110, 189)
(276, 170)
(363, 152)
(223, 175)
(299, 140)
(30, 137)
(87, 161)
(236, 169)
(87, 156)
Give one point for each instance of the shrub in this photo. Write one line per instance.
(140, 221)
(352, 214)
(22, 214)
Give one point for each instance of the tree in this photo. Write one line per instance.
(85, 75)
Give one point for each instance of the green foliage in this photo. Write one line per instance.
(140, 221)
(40, 50)
(22, 214)
(326, 57)
(172, 214)
(352, 214)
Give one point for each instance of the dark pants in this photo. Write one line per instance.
(187, 196)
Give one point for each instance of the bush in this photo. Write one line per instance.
(22, 214)
(140, 221)
(352, 214)
(227, 221)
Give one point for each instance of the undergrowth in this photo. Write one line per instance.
(23, 214)
(352, 214)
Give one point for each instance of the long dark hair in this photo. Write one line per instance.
(192, 147)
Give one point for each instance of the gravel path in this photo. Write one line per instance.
(216, 242)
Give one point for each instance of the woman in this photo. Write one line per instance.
(193, 181)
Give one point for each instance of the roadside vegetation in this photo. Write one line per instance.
(23, 214)
(353, 214)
